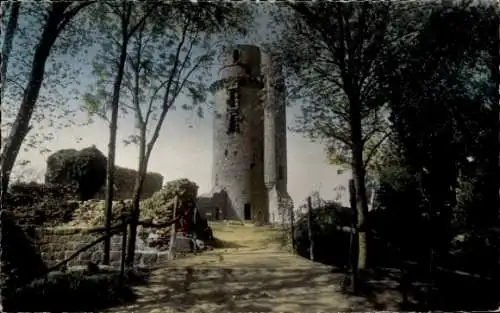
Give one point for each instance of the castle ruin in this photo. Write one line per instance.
(249, 178)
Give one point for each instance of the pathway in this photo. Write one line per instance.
(251, 274)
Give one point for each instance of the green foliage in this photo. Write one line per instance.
(20, 261)
(91, 212)
(158, 208)
(330, 87)
(84, 169)
(124, 189)
(170, 52)
(61, 70)
(436, 175)
(331, 243)
(74, 292)
(35, 204)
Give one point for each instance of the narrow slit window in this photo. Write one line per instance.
(233, 109)
(236, 56)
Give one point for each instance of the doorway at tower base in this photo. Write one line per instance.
(280, 205)
(217, 205)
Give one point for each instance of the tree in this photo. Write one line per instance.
(443, 119)
(9, 34)
(335, 71)
(166, 57)
(58, 16)
(119, 22)
(179, 69)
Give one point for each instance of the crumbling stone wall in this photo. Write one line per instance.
(124, 184)
(57, 244)
(85, 172)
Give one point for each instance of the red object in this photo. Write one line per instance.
(184, 225)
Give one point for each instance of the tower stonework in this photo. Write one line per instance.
(275, 148)
(249, 157)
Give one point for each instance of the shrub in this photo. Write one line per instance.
(38, 204)
(124, 183)
(20, 261)
(85, 170)
(72, 291)
(331, 244)
(158, 208)
(91, 212)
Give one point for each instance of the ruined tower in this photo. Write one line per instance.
(275, 149)
(249, 160)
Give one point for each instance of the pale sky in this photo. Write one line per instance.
(184, 150)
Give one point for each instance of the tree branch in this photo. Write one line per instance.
(153, 7)
(137, 71)
(68, 16)
(181, 68)
(375, 148)
(17, 84)
(166, 103)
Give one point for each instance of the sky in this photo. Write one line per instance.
(184, 148)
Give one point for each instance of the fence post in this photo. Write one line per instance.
(292, 227)
(124, 245)
(309, 228)
(173, 231)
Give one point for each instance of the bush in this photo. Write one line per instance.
(91, 213)
(20, 261)
(124, 183)
(157, 209)
(85, 170)
(37, 204)
(74, 292)
(331, 244)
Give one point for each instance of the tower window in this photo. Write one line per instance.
(226, 153)
(281, 172)
(236, 55)
(233, 108)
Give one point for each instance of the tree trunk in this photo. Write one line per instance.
(358, 170)
(173, 233)
(136, 198)
(353, 261)
(21, 127)
(292, 228)
(309, 228)
(9, 36)
(110, 168)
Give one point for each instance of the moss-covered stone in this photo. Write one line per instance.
(84, 170)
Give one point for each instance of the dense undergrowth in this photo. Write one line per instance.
(32, 205)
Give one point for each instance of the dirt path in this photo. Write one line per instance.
(252, 274)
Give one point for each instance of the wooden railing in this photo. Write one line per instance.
(122, 228)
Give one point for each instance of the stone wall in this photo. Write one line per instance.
(124, 184)
(57, 244)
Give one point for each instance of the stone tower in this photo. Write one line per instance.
(249, 165)
(275, 149)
